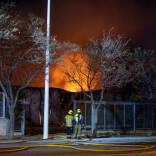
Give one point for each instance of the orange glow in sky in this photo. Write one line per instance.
(57, 78)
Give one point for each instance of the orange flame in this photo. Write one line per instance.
(57, 78)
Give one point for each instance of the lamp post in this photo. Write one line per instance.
(46, 92)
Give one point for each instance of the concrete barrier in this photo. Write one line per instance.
(4, 126)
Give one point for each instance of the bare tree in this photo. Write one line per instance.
(110, 52)
(22, 57)
(103, 66)
(8, 21)
(142, 66)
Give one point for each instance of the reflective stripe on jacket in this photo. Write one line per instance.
(78, 119)
(69, 120)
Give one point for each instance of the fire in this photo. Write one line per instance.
(72, 87)
(57, 77)
(75, 57)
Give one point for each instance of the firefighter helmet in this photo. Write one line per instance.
(78, 110)
(70, 112)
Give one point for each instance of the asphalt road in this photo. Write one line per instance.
(65, 151)
(55, 151)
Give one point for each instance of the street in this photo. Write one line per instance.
(103, 146)
(67, 152)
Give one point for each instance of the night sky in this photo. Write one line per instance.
(79, 20)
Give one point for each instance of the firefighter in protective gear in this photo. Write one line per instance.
(69, 123)
(78, 121)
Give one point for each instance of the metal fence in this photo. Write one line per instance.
(119, 115)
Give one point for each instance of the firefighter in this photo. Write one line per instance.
(78, 121)
(69, 123)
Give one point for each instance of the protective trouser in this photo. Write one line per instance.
(77, 131)
(69, 132)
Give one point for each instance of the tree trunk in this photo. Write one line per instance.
(95, 122)
(92, 117)
(12, 123)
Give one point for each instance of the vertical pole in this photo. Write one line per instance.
(92, 117)
(114, 116)
(74, 111)
(3, 105)
(23, 120)
(46, 94)
(74, 107)
(105, 116)
(124, 115)
(85, 116)
(144, 114)
(134, 117)
(152, 116)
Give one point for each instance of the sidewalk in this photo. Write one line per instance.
(60, 138)
(122, 140)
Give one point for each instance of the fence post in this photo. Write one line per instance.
(74, 111)
(144, 114)
(152, 116)
(3, 105)
(124, 115)
(74, 107)
(134, 117)
(114, 116)
(92, 117)
(105, 116)
(85, 117)
(23, 120)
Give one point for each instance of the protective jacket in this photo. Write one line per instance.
(78, 119)
(69, 120)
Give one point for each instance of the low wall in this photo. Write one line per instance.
(4, 126)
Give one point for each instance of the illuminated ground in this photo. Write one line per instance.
(66, 152)
(59, 151)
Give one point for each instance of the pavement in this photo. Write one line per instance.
(59, 138)
(76, 144)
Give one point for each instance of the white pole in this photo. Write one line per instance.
(46, 93)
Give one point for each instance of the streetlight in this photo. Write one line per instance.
(46, 91)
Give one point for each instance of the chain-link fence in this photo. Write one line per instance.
(119, 115)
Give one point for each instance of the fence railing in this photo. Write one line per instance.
(117, 115)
